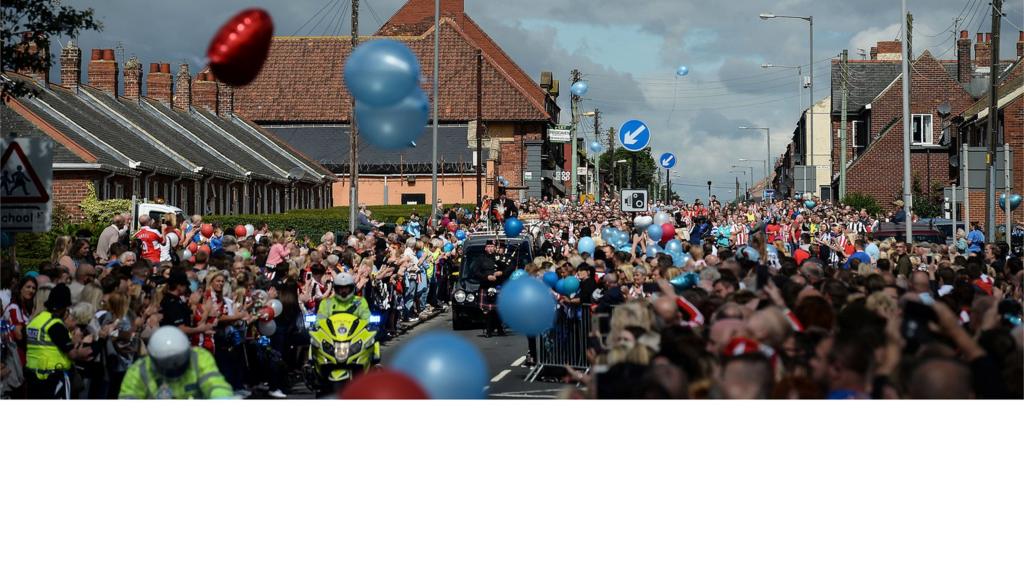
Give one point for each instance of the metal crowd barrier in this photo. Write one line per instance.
(565, 345)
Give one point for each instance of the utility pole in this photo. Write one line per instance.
(353, 153)
(479, 121)
(434, 97)
(574, 105)
(908, 198)
(611, 158)
(842, 129)
(597, 157)
(737, 198)
(993, 125)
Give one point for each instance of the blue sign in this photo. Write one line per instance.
(634, 135)
(668, 160)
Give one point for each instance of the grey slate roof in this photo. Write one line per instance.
(866, 80)
(13, 122)
(120, 131)
(329, 145)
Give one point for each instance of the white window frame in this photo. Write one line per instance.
(926, 138)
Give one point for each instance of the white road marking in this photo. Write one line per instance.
(500, 375)
(519, 361)
(529, 394)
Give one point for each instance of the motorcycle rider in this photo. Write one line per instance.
(174, 369)
(344, 300)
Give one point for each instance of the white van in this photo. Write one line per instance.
(156, 212)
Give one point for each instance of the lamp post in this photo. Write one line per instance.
(618, 173)
(746, 168)
(744, 173)
(810, 22)
(593, 180)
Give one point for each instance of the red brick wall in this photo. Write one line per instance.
(158, 84)
(70, 188)
(204, 92)
(133, 82)
(103, 71)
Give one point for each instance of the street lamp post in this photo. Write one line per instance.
(746, 168)
(594, 179)
(810, 128)
(800, 102)
(619, 173)
(768, 141)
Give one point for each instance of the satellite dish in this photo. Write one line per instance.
(296, 173)
(945, 109)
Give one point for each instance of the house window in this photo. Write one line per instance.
(859, 136)
(922, 129)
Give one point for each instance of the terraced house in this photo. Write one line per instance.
(179, 140)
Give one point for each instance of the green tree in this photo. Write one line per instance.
(28, 22)
(646, 168)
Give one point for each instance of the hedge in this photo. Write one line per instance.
(33, 249)
(314, 223)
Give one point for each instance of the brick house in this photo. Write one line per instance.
(973, 130)
(941, 91)
(181, 141)
(300, 96)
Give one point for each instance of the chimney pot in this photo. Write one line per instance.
(1020, 36)
(165, 68)
(981, 36)
(965, 34)
(108, 54)
(154, 68)
(97, 54)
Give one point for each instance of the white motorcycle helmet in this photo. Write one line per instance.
(344, 286)
(169, 351)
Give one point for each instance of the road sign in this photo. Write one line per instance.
(634, 135)
(668, 160)
(634, 200)
(25, 196)
(555, 135)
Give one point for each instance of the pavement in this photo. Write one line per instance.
(505, 355)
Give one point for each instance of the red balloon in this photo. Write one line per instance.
(453, 226)
(383, 385)
(205, 248)
(240, 47)
(267, 313)
(668, 232)
(193, 247)
(206, 230)
(240, 231)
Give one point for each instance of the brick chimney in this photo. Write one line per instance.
(183, 89)
(874, 52)
(71, 66)
(963, 58)
(133, 78)
(158, 85)
(983, 51)
(1020, 44)
(28, 45)
(103, 71)
(204, 92)
(225, 99)
(889, 50)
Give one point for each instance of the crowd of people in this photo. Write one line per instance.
(781, 299)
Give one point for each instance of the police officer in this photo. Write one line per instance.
(51, 350)
(174, 370)
(344, 300)
(488, 273)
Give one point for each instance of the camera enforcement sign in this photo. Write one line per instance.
(25, 200)
(634, 201)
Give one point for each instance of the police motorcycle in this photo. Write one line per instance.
(341, 347)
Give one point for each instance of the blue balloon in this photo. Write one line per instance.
(394, 127)
(606, 233)
(517, 274)
(551, 278)
(586, 244)
(580, 88)
(513, 227)
(596, 147)
(446, 366)
(677, 259)
(448, 247)
(460, 234)
(654, 232)
(527, 306)
(568, 286)
(682, 71)
(653, 250)
(810, 204)
(381, 73)
(674, 246)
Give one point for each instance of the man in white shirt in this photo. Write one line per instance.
(108, 237)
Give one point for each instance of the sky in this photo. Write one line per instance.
(627, 51)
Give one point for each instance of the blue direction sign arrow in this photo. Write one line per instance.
(634, 135)
(668, 160)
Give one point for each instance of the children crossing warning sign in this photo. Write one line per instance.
(25, 194)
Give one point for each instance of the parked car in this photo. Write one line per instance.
(518, 252)
(921, 232)
(156, 212)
